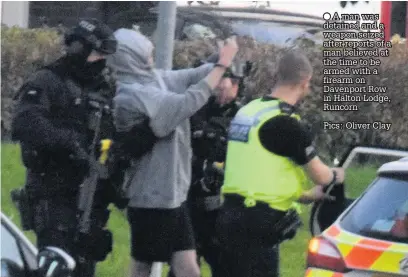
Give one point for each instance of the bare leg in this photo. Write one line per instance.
(139, 269)
(184, 264)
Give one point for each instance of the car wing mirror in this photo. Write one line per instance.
(55, 262)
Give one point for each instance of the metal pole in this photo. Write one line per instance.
(157, 269)
(166, 26)
(406, 26)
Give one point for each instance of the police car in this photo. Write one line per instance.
(366, 237)
(20, 258)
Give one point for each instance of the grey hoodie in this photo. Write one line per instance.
(161, 178)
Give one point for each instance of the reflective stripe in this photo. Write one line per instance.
(242, 119)
(317, 272)
(241, 125)
(262, 112)
(333, 231)
(366, 253)
(388, 261)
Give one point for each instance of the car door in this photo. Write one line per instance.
(18, 254)
(361, 165)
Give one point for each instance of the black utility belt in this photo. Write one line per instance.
(208, 203)
(51, 184)
(239, 200)
(286, 223)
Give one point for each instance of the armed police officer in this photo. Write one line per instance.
(55, 128)
(269, 155)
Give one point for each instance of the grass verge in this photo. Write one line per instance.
(293, 253)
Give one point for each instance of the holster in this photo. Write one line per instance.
(103, 243)
(121, 200)
(96, 245)
(24, 205)
(286, 228)
(49, 215)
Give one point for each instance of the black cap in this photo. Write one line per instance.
(95, 34)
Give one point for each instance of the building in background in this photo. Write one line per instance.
(15, 13)
(122, 13)
(34, 14)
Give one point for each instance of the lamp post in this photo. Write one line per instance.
(166, 26)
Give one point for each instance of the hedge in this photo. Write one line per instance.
(22, 51)
(25, 49)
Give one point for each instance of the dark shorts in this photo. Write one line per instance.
(158, 233)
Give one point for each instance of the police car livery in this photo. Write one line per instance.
(366, 237)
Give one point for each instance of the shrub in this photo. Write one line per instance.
(393, 72)
(23, 50)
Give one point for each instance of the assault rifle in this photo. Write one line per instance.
(95, 240)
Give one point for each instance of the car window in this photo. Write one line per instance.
(362, 170)
(9, 247)
(198, 31)
(269, 32)
(382, 211)
(206, 24)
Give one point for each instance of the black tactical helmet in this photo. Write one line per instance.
(94, 34)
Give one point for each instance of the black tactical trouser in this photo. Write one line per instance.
(207, 243)
(55, 225)
(248, 246)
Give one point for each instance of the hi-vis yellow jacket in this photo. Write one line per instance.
(254, 172)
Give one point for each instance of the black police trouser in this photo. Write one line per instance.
(206, 241)
(248, 245)
(55, 225)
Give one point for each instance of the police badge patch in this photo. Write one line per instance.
(30, 94)
(239, 132)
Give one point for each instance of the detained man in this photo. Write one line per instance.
(161, 229)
